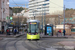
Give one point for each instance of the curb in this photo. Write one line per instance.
(18, 35)
(54, 37)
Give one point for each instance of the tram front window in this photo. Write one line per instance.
(33, 28)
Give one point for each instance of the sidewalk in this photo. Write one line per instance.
(55, 36)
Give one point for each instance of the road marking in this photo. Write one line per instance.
(31, 45)
(20, 46)
(51, 49)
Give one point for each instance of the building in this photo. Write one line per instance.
(39, 7)
(5, 5)
(4, 12)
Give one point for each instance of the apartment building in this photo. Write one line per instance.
(5, 5)
(39, 7)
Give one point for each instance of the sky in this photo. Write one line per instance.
(67, 3)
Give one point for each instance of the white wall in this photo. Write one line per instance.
(56, 7)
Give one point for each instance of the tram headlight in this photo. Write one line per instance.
(29, 33)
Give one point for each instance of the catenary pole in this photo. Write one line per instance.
(64, 20)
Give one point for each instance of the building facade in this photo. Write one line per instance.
(4, 12)
(39, 7)
(4, 4)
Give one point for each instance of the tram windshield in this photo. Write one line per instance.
(33, 28)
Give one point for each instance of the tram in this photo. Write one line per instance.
(33, 29)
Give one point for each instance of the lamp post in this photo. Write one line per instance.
(42, 19)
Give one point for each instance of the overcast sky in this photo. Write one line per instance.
(67, 3)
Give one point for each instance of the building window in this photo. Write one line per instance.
(46, 0)
(46, 4)
(38, 8)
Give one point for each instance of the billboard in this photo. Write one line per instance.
(49, 30)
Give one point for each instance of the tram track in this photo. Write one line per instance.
(39, 44)
(24, 44)
(12, 43)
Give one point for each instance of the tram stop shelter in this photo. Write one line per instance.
(49, 29)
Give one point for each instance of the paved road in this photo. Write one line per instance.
(22, 43)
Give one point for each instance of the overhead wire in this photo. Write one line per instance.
(15, 3)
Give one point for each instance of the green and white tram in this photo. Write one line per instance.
(33, 29)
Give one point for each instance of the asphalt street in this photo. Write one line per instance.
(21, 43)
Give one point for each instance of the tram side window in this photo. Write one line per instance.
(37, 28)
(28, 28)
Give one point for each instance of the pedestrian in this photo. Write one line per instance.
(64, 32)
(59, 32)
(8, 32)
(15, 31)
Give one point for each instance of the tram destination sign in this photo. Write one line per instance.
(32, 23)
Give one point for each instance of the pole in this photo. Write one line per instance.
(33, 14)
(2, 17)
(2, 12)
(64, 21)
(58, 19)
(42, 19)
(18, 24)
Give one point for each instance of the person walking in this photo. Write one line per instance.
(15, 31)
(8, 32)
(64, 32)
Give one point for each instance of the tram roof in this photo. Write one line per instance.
(33, 21)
